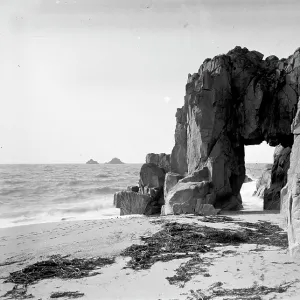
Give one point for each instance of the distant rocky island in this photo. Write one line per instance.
(92, 162)
(115, 161)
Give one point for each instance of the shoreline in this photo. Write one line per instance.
(249, 264)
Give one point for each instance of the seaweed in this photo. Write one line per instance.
(178, 240)
(187, 270)
(265, 233)
(71, 295)
(58, 267)
(18, 292)
(55, 267)
(217, 219)
(252, 293)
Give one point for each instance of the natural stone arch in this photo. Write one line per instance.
(235, 100)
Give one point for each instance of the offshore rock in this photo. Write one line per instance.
(115, 161)
(92, 162)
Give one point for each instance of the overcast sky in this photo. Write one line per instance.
(103, 78)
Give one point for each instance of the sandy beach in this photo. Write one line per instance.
(229, 267)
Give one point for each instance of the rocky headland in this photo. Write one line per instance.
(233, 100)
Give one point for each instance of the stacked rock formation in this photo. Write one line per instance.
(148, 197)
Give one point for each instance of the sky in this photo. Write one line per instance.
(103, 78)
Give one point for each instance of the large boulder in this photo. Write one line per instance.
(205, 209)
(162, 160)
(131, 202)
(151, 176)
(182, 198)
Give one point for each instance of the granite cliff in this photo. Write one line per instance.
(233, 100)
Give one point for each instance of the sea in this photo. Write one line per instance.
(33, 194)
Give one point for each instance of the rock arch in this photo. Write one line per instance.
(239, 99)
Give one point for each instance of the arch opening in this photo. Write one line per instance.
(266, 175)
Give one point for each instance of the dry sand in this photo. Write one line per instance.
(24, 245)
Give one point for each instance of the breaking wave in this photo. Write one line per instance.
(49, 193)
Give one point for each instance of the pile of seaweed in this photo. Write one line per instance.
(70, 295)
(178, 240)
(18, 292)
(252, 293)
(58, 267)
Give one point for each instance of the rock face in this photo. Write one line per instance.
(92, 162)
(290, 194)
(151, 176)
(162, 160)
(115, 161)
(263, 183)
(278, 178)
(171, 180)
(179, 152)
(234, 100)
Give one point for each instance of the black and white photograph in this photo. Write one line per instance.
(150, 149)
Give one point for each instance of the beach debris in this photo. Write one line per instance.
(252, 293)
(17, 292)
(187, 270)
(70, 295)
(11, 262)
(58, 267)
(187, 239)
(181, 240)
(217, 219)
